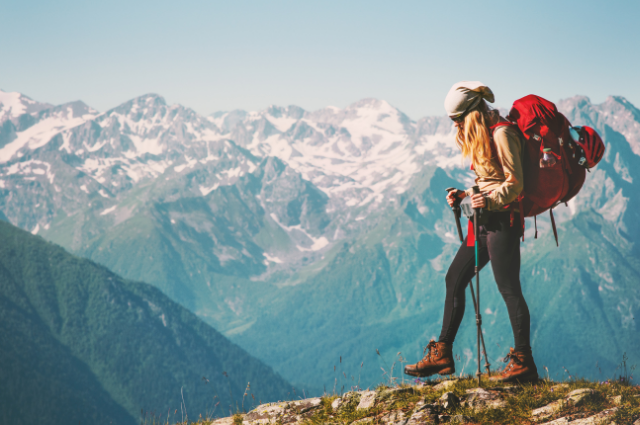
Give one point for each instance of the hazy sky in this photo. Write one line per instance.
(213, 56)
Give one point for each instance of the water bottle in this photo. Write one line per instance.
(548, 160)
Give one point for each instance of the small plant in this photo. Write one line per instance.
(626, 375)
(246, 392)
(237, 419)
(391, 380)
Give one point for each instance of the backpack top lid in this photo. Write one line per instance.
(535, 114)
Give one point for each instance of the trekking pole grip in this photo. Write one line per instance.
(476, 190)
(456, 211)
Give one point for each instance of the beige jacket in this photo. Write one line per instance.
(501, 180)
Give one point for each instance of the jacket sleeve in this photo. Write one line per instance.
(509, 150)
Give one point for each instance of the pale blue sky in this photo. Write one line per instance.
(212, 56)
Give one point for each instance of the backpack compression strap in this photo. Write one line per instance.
(553, 225)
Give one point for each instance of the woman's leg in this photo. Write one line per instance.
(461, 271)
(504, 251)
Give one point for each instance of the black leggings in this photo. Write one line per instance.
(500, 243)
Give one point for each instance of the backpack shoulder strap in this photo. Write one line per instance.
(503, 123)
(496, 127)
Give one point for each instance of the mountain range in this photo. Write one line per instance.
(311, 239)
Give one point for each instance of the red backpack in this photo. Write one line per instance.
(542, 127)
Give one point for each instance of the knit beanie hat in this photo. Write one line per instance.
(466, 95)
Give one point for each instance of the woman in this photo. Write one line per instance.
(496, 153)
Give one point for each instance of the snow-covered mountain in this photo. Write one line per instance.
(359, 158)
(14, 105)
(357, 154)
(241, 215)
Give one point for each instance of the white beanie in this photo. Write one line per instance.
(466, 95)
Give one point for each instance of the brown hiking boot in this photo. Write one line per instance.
(521, 368)
(437, 360)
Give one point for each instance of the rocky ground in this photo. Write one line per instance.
(459, 401)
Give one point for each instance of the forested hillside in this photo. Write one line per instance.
(81, 344)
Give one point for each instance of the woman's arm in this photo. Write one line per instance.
(509, 150)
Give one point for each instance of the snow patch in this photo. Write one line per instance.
(108, 210)
(272, 259)
(40, 134)
(206, 190)
(317, 245)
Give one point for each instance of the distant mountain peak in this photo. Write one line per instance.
(368, 101)
(291, 111)
(15, 104)
(150, 98)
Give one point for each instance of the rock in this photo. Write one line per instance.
(285, 413)
(617, 400)
(422, 405)
(460, 419)
(396, 417)
(596, 419)
(444, 418)
(223, 421)
(390, 392)
(577, 395)
(444, 385)
(560, 421)
(303, 406)
(335, 404)
(560, 387)
(367, 400)
(449, 400)
(637, 422)
(362, 421)
(480, 398)
(423, 416)
(266, 413)
(574, 397)
(548, 410)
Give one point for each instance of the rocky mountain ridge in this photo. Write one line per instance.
(457, 401)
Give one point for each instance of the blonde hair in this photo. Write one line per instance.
(474, 139)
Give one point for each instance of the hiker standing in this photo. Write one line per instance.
(496, 152)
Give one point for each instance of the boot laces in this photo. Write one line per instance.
(433, 350)
(512, 359)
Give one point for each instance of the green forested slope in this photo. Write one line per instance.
(79, 343)
(41, 378)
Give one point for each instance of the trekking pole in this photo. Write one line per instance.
(476, 190)
(484, 348)
(456, 211)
